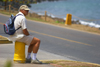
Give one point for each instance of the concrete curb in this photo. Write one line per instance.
(4, 40)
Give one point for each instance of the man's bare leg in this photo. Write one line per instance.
(34, 46)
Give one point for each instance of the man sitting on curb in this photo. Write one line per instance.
(22, 35)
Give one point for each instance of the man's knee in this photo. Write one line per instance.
(35, 40)
(39, 40)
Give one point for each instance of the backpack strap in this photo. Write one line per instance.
(16, 16)
(18, 28)
(14, 20)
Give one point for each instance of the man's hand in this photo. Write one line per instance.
(26, 32)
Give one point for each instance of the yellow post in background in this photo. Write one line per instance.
(68, 19)
(19, 55)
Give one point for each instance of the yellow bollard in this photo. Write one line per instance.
(19, 55)
(68, 19)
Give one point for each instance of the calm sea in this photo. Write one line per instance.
(87, 11)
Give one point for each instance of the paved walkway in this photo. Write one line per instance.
(42, 55)
(3, 62)
(7, 51)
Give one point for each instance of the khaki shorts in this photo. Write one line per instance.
(26, 39)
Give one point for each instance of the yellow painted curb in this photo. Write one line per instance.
(4, 40)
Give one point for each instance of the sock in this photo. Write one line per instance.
(28, 55)
(34, 56)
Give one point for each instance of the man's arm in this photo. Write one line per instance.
(25, 31)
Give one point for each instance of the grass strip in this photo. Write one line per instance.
(67, 63)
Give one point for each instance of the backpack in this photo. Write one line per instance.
(9, 27)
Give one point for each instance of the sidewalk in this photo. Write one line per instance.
(7, 51)
(42, 55)
(2, 64)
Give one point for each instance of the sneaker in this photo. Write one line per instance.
(36, 61)
(28, 60)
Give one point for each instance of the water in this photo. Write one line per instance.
(85, 10)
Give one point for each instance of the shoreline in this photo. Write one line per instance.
(81, 21)
(51, 19)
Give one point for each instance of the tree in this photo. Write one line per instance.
(5, 2)
(1, 0)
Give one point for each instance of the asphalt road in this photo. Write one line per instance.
(73, 44)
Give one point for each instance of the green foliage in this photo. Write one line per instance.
(4, 0)
(57, 21)
(8, 63)
(1, 0)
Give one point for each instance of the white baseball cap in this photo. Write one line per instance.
(24, 7)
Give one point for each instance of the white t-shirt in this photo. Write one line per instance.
(20, 20)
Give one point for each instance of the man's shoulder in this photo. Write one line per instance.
(20, 14)
(20, 17)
